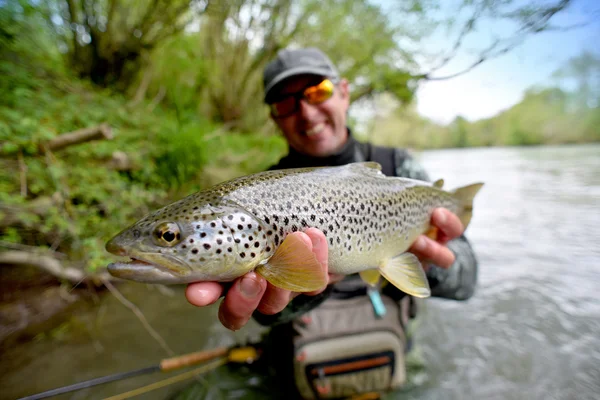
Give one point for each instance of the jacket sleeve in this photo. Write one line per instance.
(460, 280)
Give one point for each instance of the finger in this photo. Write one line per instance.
(321, 250)
(203, 294)
(449, 225)
(274, 300)
(242, 299)
(431, 251)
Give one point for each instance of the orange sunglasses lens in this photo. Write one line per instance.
(316, 94)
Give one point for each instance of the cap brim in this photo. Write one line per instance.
(294, 72)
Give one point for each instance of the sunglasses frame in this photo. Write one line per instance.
(302, 95)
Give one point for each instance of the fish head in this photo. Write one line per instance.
(183, 243)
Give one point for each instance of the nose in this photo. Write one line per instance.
(113, 247)
(307, 110)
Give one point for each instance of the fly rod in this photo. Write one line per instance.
(235, 354)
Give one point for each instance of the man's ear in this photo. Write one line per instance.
(344, 87)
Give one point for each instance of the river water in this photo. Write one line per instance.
(531, 331)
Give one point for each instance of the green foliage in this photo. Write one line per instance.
(544, 116)
(74, 199)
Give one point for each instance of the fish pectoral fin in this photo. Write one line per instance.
(432, 232)
(294, 267)
(370, 276)
(406, 273)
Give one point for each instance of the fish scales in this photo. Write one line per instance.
(220, 233)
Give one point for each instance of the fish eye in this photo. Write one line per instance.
(167, 234)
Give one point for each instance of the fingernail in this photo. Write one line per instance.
(249, 286)
(441, 217)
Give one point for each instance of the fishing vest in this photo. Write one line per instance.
(354, 342)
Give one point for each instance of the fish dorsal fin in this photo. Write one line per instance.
(369, 167)
(439, 183)
(294, 267)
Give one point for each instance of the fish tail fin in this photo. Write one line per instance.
(465, 196)
(294, 267)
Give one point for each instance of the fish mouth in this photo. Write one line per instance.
(150, 268)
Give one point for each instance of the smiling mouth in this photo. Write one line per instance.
(315, 130)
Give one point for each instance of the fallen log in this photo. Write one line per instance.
(50, 265)
(100, 132)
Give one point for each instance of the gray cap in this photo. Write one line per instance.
(290, 62)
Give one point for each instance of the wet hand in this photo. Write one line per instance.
(252, 292)
(435, 251)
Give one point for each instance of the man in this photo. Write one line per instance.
(309, 104)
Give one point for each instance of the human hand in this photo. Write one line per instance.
(435, 251)
(252, 292)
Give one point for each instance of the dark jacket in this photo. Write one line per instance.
(456, 283)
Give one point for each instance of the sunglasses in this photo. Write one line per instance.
(316, 94)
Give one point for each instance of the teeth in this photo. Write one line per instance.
(315, 129)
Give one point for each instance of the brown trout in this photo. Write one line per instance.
(219, 234)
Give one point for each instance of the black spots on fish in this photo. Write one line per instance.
(281, 231)
(268, 249)
(286, 221)
(218, 251)
(191, 240)
(198, 227)
(305, 208)
(325, 232)
(331, 241)
(362, 206)
(276, 240)
(195, 251)
(246, 245)
(294, 228)
(330, 227)
(242, 255)
(313, 217)
(219, 241)
(259, 228)
(269, 232)
(274, 227)
(202, 234)
(276, 218)
(237, 240)
(249, 226)
(267, 220)
(230, 217)
(250, 238)
(229, 249)
(240, 227)
(256, 244)
(206, 246)
(321, 221)
(304, 223)
(229, 239)
(243, 219)
(338, 240)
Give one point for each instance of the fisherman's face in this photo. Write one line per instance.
(316, 130)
